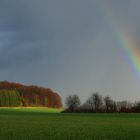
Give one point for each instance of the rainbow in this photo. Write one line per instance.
(126, 43)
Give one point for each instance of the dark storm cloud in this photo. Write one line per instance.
(27, 28)
(19, 36)
(21, 55)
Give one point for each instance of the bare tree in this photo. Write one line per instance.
(136, 107)
(72, 102)
(124, 106)
(95, 102)
(107, 102)
(110, 105)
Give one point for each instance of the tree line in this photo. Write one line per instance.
(29, 95)
(98, 103)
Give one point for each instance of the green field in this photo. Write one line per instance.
(49, 124)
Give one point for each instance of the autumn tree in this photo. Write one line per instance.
(9, 98)
(32, 95)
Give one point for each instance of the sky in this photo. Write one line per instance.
(70, 46)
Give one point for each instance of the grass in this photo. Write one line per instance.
(30, 109)
(41, 124)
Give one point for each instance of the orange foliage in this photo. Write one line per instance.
(34, 95)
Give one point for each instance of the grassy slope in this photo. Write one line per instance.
(27, 124)
(30, 109)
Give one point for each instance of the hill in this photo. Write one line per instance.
(29, 95)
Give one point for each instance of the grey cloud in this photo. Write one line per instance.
(21, 55)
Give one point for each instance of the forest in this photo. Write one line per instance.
(15, 94)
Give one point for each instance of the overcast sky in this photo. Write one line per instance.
(69, 46)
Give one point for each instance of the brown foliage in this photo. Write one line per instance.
(34, 95)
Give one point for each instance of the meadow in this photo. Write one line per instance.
(50, 124)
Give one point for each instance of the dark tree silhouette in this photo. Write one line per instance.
(136, 107)
(110, 105)
(72, 102)
(124, 106)
(95, 102)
